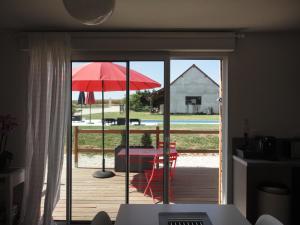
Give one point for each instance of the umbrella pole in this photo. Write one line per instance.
(81, 110)
(103, 173)
(90, 113)
(102, 120)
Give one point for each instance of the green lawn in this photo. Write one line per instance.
(152, 116)
(183, 141)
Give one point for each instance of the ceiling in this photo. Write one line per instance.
(160, 15)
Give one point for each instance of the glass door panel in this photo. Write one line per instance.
(99, 121)
(194, 128)
(98, 180)
(146, 132)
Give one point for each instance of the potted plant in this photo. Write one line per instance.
(7, 126)
(146, 140)
(123, 139)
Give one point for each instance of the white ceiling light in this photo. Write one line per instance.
(90, 12)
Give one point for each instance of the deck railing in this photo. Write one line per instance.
(156, 132)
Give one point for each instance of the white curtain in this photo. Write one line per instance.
(49, 94)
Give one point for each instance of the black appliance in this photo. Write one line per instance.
(295, 148)
(260, 147)
(266, 146)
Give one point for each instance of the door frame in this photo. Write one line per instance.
(223, 150)
(166, 57)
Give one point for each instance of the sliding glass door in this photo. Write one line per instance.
(134, 140)
(117, 134)
(146, 134)
(195, 124)
(99, 171)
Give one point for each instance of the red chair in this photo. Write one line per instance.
(172, 145)
(154, 177)
(161, 144)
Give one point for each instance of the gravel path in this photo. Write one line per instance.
(184, 160)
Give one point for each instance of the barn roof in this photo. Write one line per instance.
(194, 66)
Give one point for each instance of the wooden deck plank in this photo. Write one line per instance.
(91, 195)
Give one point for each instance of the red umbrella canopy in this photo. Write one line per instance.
(106, 76)
(90, 98)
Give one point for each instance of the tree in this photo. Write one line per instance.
(140, 101)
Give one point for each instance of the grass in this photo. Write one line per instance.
(152, 116)
(183, 141)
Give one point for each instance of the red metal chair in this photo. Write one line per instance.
(172, 145)
(161, 144)
(154, 177)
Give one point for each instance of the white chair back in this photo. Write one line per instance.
(267, 220)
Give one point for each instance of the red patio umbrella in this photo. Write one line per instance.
(106, 76)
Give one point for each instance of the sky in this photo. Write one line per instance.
(155, 70)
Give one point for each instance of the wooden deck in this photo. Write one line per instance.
(91, 195)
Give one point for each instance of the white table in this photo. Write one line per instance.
(12, 177)
(141, 214)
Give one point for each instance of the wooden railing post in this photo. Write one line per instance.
(157, 136)
(76, 146)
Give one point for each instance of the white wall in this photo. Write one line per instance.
(264, 79)
(13, 72)
(263, 84)
(194, 83)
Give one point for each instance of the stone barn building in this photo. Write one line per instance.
(194, 92)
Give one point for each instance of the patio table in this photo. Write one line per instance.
(140, 158)
(150, 152)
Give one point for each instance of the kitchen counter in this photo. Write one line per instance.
(262, 162)
(250, 174)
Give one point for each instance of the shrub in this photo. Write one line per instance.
(123, 139)
(146, 140)
(140, 101)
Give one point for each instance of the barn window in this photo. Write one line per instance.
(193, 100)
